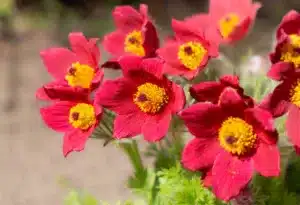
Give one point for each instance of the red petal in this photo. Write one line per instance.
(184, 32)
(207, 91)
(279, 71)
(56, 116)
(156, 127)
(231, 100)
(127, 18)
(128, 125)
(292, 125)
(288, 23)
(240, 31)
(117, 96)
(130, 63)
(267, 160)
(151, 42)
(200, 153)
(277, 102)
(203, 119)
(153, 66)
(75, 141)
(230, 80)
(170, 53)
(230, 175)
(179, 98)
(58, 61)
(207, 178)
(144, 10)
(114, 43)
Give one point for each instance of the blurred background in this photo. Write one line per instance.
(32, 165)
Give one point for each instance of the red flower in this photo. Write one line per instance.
(144, 99)
(211, 90)
(76, 119)
(286, 99)
(233, 18)
(76, 72)
(287, 51)
(189, 52)
(135, 35)
(231, 139)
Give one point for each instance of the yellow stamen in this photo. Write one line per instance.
(150, 98)
(228, 24)
(80, 75)
(134, 43)
(291, 51)
(295, 94)
(82, 116)
(191, 54)
(237, 136)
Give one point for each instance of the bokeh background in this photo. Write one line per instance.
(32, 166)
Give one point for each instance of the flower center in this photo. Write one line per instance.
(228, 23)
(80, 75)
(82, 116)
(295, 94)
(237, 136)
(150, 98)
(134, 43)
(191, 54)
(291, 51)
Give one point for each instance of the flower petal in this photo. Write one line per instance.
(58, 61)
(116, 95)
(151, 42)
(230, 175)
(207, 91)
(288, 23)
(230, 80)
(56, 116)
(292, 125)
(280, 71)
(75, 141)
(231, 100)
(207, 178)
(127, 18)
(114, 43)
(156, 127)
(202, 119)
(130, 63)
(129, 125)
(266, 160)
(169, 52)
(200, 153)
(179, 98)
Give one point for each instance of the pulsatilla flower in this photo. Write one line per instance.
(211, 90)
(76, 119)
(232, 140)
(287, 51)
(286, 99)
(135, 35)
(233, 18)
(75, 72)
(144, 99)
(189, 52)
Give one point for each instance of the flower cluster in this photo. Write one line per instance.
(234, 136)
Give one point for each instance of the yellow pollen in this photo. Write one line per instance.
(228, 23)
(82, 116)
(150, 98)
(237, 136)
(295, 94)
(80, 75)
(134, 43)
(191, 54)
(291, 51)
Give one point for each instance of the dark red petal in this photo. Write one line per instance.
(292, 125)
(297, 150)
(114, 43)
(129, 125)
(75, 141)
(277, 102)
(112, 64)
(151, 40)
(207, 91)
(127, 18)
(156, 127)
(240, 31)
(230, 80)
(230, 175)
(117, 95)
(203, 119)
(231, 100)
(130, 63)
(200, 153)
(266, 160)
(56, 116)
(58, 61)
(207, 178)
(288, 23)
(281, 70)
(99, 75)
